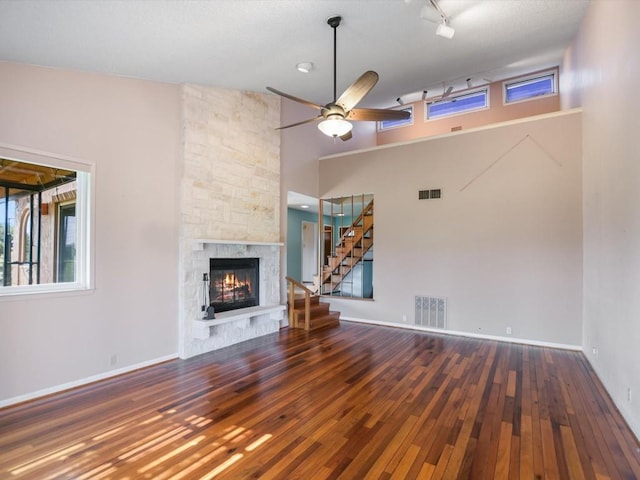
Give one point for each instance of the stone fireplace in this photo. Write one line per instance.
(229, 209)
(236, 325)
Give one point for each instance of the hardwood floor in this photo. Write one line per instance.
(352, 402)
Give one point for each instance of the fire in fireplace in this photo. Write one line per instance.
(234, 283)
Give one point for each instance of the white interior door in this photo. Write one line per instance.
(309, 251)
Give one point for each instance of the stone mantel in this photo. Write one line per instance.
(199, 243)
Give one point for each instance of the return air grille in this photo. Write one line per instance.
(431, 312)
(427, 194)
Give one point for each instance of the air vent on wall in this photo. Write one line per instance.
(427, 194)
(431, 312)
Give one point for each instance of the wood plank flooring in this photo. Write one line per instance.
(352, 402)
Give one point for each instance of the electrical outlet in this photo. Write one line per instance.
(113, 360)
(404, 318)
(508, 330)
(629, 394)
(594, 350)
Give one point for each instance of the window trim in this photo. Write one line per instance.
(485, 89)
(528, 78)
(85, 184)
(410, 121)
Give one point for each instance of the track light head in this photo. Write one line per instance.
(424, 94)
(400, 101)
(444, 30)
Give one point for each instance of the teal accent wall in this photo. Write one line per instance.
(294, 249)
(294, 240)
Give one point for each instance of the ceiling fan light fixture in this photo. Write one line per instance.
(335, 126)
(444, 30)
(304, 67)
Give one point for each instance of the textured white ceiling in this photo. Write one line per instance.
(249, 44)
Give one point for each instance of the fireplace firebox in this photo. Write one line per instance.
(234, 283)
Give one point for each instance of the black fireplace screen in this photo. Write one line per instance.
(234, 283)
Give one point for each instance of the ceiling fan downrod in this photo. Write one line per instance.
(334, 22)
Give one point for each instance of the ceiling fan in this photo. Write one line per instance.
(335, 115)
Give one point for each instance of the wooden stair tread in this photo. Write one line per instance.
(299, 302)
(307, 311)
(314, 311)
(332, 319)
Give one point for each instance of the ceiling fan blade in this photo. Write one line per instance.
(308, 120)
(357, 90)
(295, 99)
(347, 136)
(377, 114)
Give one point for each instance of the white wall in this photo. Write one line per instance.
(130, 130)
(503, 244)
(601, 73)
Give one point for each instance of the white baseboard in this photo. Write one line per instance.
(522, 341)
(84, 381)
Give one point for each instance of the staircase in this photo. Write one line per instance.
(354, 243)
(306, 311)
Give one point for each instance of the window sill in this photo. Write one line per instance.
(28, 291)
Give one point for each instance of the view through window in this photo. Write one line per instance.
(347, 248)
(42, 237)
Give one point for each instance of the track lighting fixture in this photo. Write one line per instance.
(400, 101)
(424, 94)
(444, 30)
(469, 84)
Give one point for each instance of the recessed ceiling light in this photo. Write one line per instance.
(304, 67)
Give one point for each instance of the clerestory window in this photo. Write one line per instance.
(457, 104)
(387, 124)
(530, 87)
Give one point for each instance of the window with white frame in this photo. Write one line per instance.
(387, 124)
(44, 223)
(530, 87)
(457, 104)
